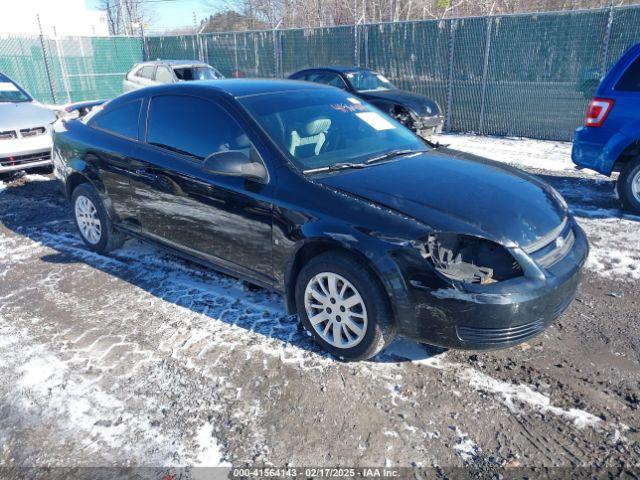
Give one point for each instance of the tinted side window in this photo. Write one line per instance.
(630, 81)
(193, 126)
(121, 120)
(328, 79)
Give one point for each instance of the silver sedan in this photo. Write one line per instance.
(25, 129)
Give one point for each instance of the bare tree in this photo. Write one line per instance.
(259, 14)
(123, 15)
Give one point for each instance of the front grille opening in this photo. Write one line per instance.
(556, 248)
(25, 159)
(8, 135)
(32, 132)
(496, 336)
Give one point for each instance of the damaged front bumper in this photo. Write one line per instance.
(492, 316)
(426, 127)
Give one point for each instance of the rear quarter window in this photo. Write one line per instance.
(147, 72)
(163, 75)
(630, 81)
(121, 120)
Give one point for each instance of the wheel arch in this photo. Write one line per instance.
(631, 152)
(73, 180)
(312, 249)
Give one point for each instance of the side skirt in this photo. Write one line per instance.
(208, 262)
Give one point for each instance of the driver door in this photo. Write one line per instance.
(223, 219)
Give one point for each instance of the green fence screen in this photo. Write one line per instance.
(527, 75)
(69, 69)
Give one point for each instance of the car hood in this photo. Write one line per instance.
(451, 191)
(14, 116)
(422, 106)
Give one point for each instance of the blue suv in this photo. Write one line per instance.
(609, 141)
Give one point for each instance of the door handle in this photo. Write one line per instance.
(146, 173)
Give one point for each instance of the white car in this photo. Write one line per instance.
(25, 129)
(160, 72)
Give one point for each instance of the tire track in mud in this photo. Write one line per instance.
(187, 322)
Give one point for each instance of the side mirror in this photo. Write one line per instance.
(236, 164)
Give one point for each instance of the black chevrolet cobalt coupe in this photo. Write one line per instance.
(304, 189)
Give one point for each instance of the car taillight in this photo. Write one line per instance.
(598, 111)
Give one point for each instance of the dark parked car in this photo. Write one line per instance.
(416, 112)
(303, 189)
(609, 141)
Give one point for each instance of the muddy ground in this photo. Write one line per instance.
(141, 359)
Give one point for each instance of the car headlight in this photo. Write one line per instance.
(469, 259)
(559, 198)
(402, 115)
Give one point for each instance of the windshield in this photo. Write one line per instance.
(197, 73)
(321, 128)
(10, 92)
(367, 81)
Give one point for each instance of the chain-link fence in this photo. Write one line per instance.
(520, 75)
(69, 69)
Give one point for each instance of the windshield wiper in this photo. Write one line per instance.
(391, 154)
(433, 144)
(334, 167)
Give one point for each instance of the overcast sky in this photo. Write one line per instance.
(172, 14)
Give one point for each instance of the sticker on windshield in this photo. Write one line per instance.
(8, 87)
(346, 108)
(376, 120)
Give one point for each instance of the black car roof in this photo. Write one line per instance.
(334, 68)
(234, 87)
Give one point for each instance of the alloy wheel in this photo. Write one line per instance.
(335, 310)
(635, 186)
(88, 220)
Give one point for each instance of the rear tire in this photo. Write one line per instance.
(92, 220)
(629, 186)
(341, 303)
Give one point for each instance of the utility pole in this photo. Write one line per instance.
(46, 60)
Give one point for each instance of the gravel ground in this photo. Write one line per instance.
(142, 359)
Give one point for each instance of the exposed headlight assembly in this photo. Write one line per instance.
(468, 259)
(402, 115)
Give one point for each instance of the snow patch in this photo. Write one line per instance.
(615, 246)
(40, 373)
(465, 447)
(520, 152)
(513, 396)
(36, 177)
(209, 454)
(49, 390)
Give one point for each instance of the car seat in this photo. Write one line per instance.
(311, 139)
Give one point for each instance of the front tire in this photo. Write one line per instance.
(343, 306)
(629, 186)
(92, 220)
